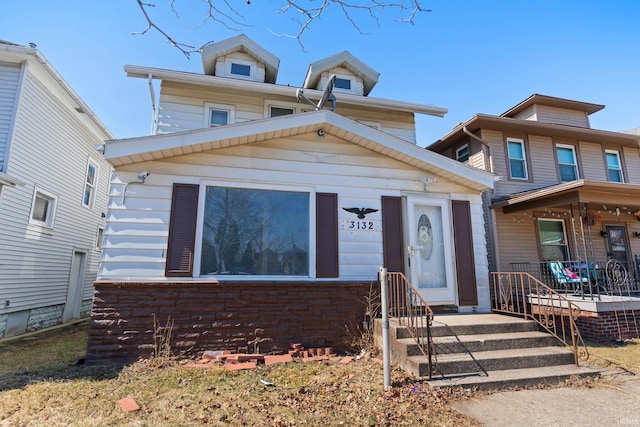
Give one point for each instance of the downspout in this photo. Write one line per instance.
(491, 213)
(483, 142)
(153, 103)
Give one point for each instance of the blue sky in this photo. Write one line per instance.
(467, 56)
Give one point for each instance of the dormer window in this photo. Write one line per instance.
(462, 153)
(341, 83)
(241, 69)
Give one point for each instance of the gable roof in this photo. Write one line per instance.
(240, 43)
(551, 101)
(157, 147)
(343, 59)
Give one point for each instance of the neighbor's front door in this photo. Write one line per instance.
(429, 249)
(617, 243)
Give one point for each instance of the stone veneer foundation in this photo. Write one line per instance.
(209, 315)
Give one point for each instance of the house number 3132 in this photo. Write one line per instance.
(360, 225)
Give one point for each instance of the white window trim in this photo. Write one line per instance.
(252, 64)
(257, 186)
(575, 159)
(295, 106)
(617, 154)
(52, 212)
(459, 149)
(524, 158)
(208, 106)
(353, 81)
(92, 199)
(564, 232)
(98, 244)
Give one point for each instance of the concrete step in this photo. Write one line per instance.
(515, 377)
(483, 342)
(485, 361)
(469, 324)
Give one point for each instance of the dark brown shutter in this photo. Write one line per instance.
(182, 230)
(465, 263)
(392, 231)
(326, 235)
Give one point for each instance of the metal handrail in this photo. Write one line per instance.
(522, 294)
(408, 307)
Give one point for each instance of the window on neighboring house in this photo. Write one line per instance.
(517, 158)
(89, 195)
(567, 162)
(218, 114)
(240, 69)
(255, 232)
(462, 153)
(43, 208)
(99, 236)
(553, 240)
(614, 166)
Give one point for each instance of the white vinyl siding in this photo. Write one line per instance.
(181, 108)
(136, 234)
(9, 79)
(48, 133)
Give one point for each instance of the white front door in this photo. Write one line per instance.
(429, 249)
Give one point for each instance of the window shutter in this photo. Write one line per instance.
(327, 235)
(182, 230)
(465, 262)
(392, 230)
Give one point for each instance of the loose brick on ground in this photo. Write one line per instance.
(240, 366)
(346, 360)
(284, 358)
(314, 359)
(128, 404)
(377, 360)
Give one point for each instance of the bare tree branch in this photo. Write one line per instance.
(305, 12)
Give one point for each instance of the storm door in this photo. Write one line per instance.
(617, 243)
(429, 249)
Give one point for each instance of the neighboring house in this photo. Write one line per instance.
(251, 219)
(53, 195)
(566, 192)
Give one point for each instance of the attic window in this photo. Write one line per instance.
(240, 69)
(342, 83)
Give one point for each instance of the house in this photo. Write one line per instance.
(53, 195)
(566, 193)
(258, 213)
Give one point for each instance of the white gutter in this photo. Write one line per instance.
(153, 104)
(282, 90)
(21, 50)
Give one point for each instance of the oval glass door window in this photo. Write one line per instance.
(425, 237)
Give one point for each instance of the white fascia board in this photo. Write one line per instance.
(275, 89)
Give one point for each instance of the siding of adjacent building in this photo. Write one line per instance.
(50, 148)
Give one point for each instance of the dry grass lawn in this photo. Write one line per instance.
(40, 386)
(625, 355)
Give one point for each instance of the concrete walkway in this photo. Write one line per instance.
(612, 402)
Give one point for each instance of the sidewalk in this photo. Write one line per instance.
(612, 402)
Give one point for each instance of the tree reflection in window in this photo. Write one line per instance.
(255, 232)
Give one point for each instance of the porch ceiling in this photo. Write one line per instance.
(580, 191)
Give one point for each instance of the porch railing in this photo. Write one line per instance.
(407, 306)
(522, 294)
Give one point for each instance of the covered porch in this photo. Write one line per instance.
(581, 239)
